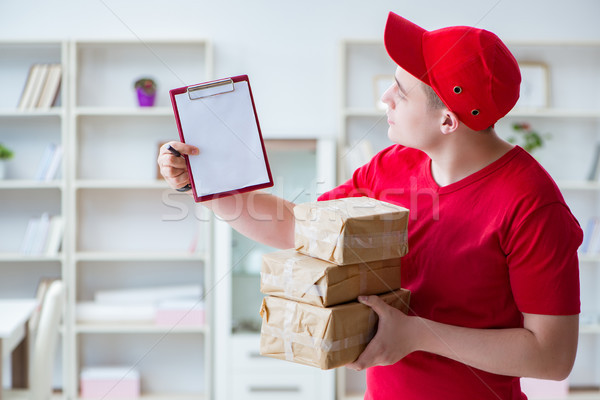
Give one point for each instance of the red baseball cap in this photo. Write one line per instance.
(470, 69)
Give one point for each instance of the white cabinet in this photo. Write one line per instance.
(23, 197)
(129, 230)
(124, 229)
(302, 169)
(257, 377)
(570, 122)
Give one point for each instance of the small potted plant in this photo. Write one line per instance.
(146, 91)
(5, 155)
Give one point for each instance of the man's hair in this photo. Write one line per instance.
(433, 100)
(435, 103)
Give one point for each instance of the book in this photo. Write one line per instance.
(43, 235)
(41, 87)
(90, 311)
(51, 171)
(55, 235)
(27, 93)
(30, 233)
(45, 161)
(38, 85)
(147, 295)
(39, 240)
(594, 173)
(51, 86)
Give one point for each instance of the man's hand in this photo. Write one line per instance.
(393, 340)
(173, 168)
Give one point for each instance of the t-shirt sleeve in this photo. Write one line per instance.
(543, 263)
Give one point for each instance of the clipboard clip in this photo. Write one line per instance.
(210, 89)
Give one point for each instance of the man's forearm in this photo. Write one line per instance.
(513, 352)
(263, 217)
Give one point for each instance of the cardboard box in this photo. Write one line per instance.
(296, 276)
(351, 230)
(109, 383)
(320, 337)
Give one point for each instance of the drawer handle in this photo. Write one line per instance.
(274, 389)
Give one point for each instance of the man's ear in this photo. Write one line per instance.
(449, 122)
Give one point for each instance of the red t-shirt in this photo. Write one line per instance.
(483, 250)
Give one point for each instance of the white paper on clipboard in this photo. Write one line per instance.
(224, 128)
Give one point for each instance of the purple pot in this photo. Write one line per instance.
(144, 99)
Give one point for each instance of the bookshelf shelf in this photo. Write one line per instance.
(555, 113)
(25, 258)
(124, 111)
(121, 184)
(589, 329)
(589, 258)
(579, 185)
(11, 184)
(363, 112)
(140, 256)
(16, 113)
(133, 328)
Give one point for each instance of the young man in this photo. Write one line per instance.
(492, 264)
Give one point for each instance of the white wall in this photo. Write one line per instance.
(289, 49)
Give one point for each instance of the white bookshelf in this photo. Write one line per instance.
(129, 224)
(27, 133)
(571, 117)
(124, 228)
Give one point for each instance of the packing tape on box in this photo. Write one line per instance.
(291, 287)
(315, 212)
(358, 241)
(327, 345)
(290, 311)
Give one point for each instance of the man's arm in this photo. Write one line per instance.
(262, 217)
(544, 348)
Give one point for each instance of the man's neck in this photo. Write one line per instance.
(462, 156)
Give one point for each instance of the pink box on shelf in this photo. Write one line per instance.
(545, 389)
(180, 313)
(109, 383)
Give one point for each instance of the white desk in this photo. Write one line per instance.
(14, 315)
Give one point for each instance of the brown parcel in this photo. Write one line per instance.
(351, 230)
(299, 277)
(321, 337)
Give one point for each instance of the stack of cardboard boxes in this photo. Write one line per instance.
(344, 248)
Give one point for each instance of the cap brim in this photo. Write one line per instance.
(404, 44)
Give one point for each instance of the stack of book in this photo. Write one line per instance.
(343, 249)
(42, 87)
(43, 235)
(49, 163)
(168, 306)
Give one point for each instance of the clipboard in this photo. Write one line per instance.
(219, 117)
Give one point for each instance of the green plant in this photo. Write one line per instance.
(526, 137)
(147, 85)
(5, 153)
